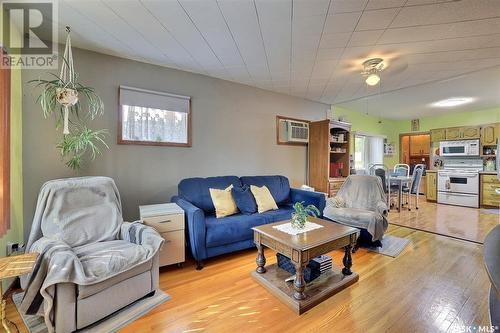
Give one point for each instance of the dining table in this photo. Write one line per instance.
(400, 180)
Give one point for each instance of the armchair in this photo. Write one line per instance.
(91, 263)
(361, 203)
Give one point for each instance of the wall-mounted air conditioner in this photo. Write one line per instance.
(297, 131)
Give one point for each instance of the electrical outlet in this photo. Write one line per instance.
(12, 247)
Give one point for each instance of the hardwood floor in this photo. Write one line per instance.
(460, 222)
(438, 284)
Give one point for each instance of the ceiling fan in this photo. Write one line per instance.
(371, 70)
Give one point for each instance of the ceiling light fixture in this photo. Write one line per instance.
(454, 101)
(372, 79)
(372, 69)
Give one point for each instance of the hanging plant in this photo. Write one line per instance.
(62, 97)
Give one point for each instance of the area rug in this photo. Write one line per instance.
(392, 246)
(491, 211)
(112, 323)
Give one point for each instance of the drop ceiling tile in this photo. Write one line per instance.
(376, 19)
(454, 56)
(275, 23)
(358, 52)
(382, 4)
(308, 25)
(304, 8)
(174, 19)
(346, 6)
(451, 11)
(441, 31)
(115, 26)
(91, 35)
(259, 72)
(242, 21)
(335, 40)
(414, 34)
(208, 19)
(345, 22)
(151, 30)
(365, 38)
(329, 54)
(211, 39)
(424, 2)
(474, 28)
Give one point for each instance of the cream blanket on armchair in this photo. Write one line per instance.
(360, 203)
(79, 232)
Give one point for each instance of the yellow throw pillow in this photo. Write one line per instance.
(263, 198)
(223, 202)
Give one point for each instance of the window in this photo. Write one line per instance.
(4, 147)
(368, 150)
(153, 118)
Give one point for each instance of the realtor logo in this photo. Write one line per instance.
(29, 34)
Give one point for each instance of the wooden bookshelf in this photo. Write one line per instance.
(328, 152)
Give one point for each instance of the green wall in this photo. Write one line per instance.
(369, 124)
(15, 233)
(472, 118)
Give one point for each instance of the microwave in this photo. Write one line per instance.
(459, 148)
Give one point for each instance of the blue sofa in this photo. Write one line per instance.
(209, 236)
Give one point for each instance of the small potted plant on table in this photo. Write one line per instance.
(300, 214)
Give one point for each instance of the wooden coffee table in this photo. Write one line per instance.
(300, 249)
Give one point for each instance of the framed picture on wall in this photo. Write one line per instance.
(415, 125)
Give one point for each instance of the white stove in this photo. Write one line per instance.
(458, 182)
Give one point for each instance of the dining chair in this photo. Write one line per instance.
(414, 188)
(402, 169)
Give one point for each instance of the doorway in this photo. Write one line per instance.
(415, 148)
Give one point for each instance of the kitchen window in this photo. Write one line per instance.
(154, 118)
(368, 150)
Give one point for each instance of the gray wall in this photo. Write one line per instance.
(233, 133)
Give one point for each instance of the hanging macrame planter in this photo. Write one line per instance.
(67, 96)
(63, 94)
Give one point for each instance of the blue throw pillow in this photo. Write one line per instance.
(244, 199)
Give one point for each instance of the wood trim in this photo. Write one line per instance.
(278, 142)
(119, 131)
(415, 133)
(5, 103)
(319, 155)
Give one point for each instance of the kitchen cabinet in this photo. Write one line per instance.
(467, 132)
(431, 182)
(453, 133)
(438, 135)
(423, 185)
(489, 134)
(489, 197)
(471, 132)
(419, 145)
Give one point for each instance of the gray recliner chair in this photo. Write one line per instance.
(91, 263)
(361, 202)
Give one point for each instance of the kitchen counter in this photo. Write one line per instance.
(481, 172)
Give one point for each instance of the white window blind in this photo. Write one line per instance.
(151, 117)
(153, 99)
